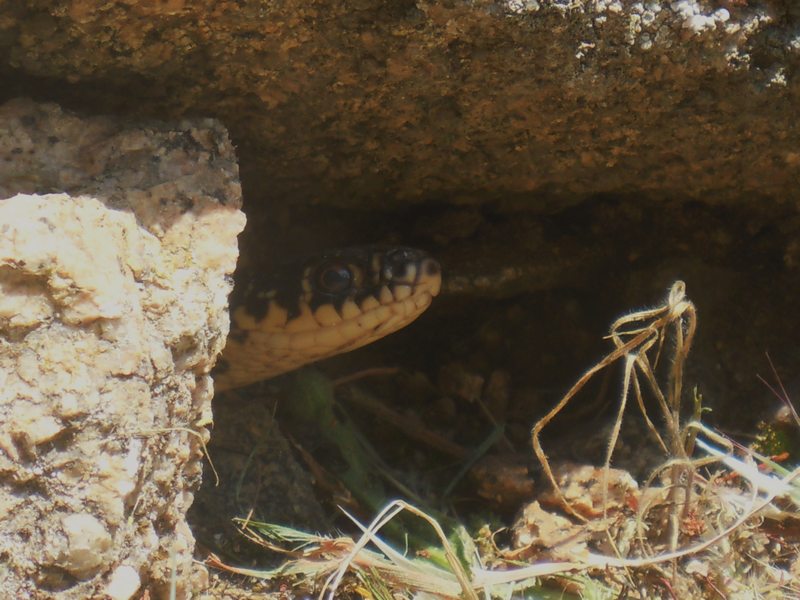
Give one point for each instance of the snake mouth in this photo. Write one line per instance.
(325, 306)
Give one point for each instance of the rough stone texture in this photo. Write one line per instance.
(113, 300)
(532, 103)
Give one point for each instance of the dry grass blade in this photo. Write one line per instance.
(370, 535)
(317, 557)
(424, 576)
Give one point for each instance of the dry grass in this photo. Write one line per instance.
(710, 522)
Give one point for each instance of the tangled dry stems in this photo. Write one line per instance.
(633, 346)
(677, 494)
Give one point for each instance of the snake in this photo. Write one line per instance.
(316, 307)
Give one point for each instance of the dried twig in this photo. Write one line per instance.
(677, 315)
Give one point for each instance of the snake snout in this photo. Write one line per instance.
(414, 268)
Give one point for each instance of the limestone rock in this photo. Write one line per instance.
(113, 306)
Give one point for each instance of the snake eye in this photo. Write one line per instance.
(334, 278)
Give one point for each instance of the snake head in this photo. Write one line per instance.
(324, 305)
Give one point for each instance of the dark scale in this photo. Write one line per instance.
(319, 299)
(363, 294)
(251, 289)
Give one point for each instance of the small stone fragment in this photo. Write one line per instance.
(87, 543)
(123, 583)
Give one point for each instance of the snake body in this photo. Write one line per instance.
(315, 308)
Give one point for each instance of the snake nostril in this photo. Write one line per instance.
(431, 268)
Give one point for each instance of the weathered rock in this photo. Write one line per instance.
(113, 302)
(530, 103)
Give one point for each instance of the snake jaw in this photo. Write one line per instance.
(333, 304)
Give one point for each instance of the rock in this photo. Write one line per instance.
(83, 549)
(113, 306)
(124, 583)
(525, 103)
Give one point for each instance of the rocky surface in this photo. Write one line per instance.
(528, 103)
(113, 299)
